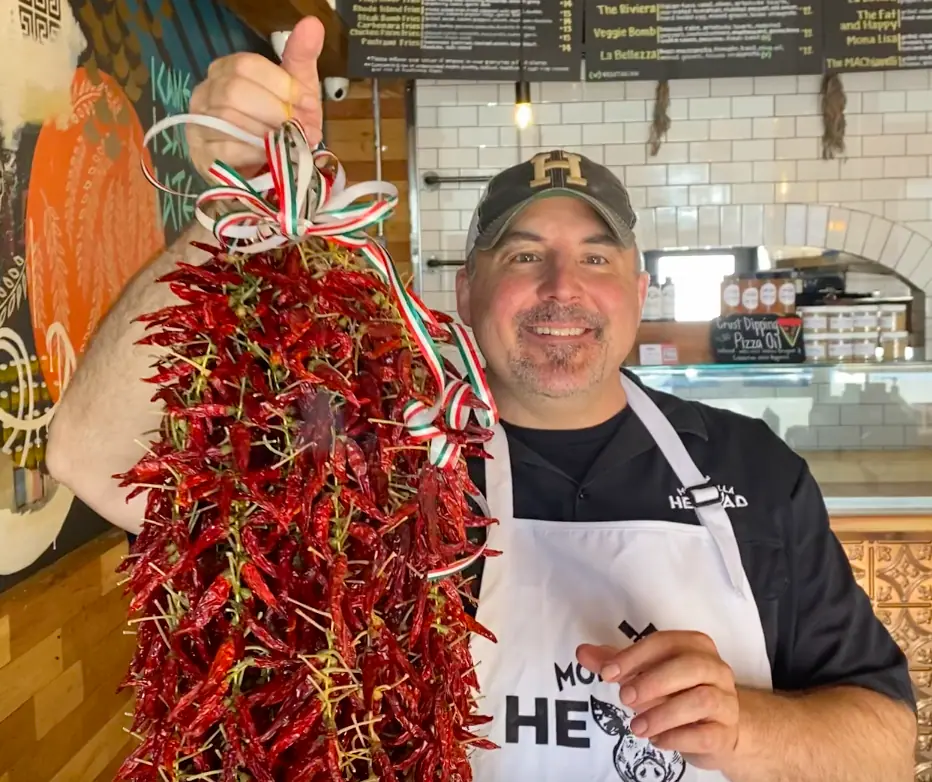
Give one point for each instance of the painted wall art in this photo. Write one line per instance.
(77, 217)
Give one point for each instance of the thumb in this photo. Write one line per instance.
(303, 50)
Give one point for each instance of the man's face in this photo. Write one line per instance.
(555, 307)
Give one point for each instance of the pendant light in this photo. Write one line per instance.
(524, 114)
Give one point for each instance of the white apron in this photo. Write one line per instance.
(559, 584)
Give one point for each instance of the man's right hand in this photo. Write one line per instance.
(258, 95)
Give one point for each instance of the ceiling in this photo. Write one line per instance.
(268, 16)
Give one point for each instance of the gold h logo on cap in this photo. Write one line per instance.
(544, 163)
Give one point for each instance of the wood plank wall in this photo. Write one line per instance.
(62, 654)
(350, 132)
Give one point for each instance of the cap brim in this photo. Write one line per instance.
(494, 233)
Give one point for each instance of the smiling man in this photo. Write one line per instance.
(730, 644)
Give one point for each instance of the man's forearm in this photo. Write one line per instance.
(841, 734)
(106, 408)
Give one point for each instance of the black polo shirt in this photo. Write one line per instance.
(819, 625)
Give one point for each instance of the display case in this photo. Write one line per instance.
(866, 432)
(865, 429)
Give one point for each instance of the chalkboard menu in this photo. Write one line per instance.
(757, 339)
(687, 39)
(533, 40)
(872, 35)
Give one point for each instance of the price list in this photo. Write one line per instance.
(683, 39)
(537, 40)
(873, 35)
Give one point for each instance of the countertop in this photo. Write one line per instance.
(858, 483)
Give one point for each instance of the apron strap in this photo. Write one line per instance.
(704, 495)
(499, 497)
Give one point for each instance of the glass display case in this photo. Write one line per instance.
(864, 429)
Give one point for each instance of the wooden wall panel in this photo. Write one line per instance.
(350, 132)
(63, 651)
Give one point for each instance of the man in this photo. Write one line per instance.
(729, 644)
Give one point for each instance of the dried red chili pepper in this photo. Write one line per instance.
(362, 502)
(256, 759)
(241, 442)
(340, 631)
(358, 464)
(308, 766)
(383, 766)
(338, 460)
(208, 713)
(333, 756)
(210, 604)
(297, 728)
(256, 583)
(384, 348)
(320, 527)
(420, 609)
(254, 549)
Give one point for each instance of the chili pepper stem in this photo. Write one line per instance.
(291, 457)
(307, 607)
(138, 619)
(386, 422)
(193, 362)
(355, 725)
(310, 621)
(315, 552)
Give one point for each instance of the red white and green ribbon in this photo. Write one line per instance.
(304, 193)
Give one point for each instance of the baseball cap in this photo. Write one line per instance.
(553, 173)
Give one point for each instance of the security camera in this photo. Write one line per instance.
(279, 39)
(336, 88)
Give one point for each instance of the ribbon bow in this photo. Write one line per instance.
(300, 196)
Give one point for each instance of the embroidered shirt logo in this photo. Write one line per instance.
(730, 499)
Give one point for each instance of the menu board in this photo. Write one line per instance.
(688, 39)
(873, 35)
(757, 339)
(532, 40)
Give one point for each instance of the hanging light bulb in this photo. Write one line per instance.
(524, 115)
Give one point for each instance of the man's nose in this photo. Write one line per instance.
(560, 280)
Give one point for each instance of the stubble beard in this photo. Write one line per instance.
(563, 370)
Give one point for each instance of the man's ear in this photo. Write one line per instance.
(462, 296)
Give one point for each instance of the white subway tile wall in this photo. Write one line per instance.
(741, 164)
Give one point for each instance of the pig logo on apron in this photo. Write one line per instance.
(636, 759)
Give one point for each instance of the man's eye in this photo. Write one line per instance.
(598, 260)
(525, 258)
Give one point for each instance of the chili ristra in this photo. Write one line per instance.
(286, 625)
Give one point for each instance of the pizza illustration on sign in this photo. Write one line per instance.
(791, 327)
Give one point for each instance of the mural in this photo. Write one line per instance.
(77, 218)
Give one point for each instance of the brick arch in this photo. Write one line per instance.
(904, 250)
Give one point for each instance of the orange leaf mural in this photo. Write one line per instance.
(91, 217)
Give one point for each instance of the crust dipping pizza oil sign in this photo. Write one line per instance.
(748, 339)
